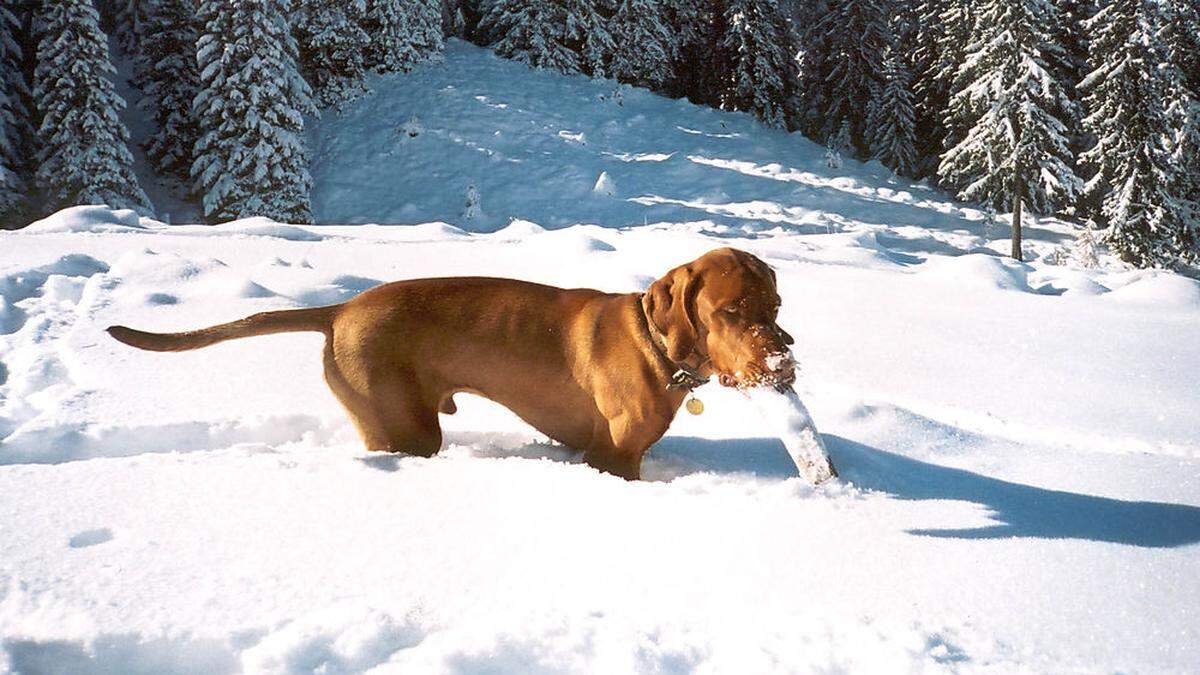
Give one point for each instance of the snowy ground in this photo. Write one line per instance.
(1018, 443)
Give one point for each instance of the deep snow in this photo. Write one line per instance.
(1017, 443)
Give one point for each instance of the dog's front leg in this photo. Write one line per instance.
(620, 442)
(627, 465)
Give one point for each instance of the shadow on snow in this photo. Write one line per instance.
(1020, 510)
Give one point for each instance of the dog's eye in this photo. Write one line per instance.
(732, 309)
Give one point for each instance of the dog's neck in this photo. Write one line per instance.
(683, 375)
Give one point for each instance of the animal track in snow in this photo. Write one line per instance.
(89, 538)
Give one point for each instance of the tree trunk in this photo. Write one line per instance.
(1018, 199)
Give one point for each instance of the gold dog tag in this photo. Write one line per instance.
(694, 406)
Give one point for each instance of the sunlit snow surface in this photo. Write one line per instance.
(1017, 443)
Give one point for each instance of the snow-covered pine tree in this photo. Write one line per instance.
(643, 45)
(14, 129)
(836, 146)
(466, 13)
(856, 31)
(530, 31)
(945, 126)
(587, 24)
(565, 35)
(1065, 62)
(402, 33)
(251, 159)
(472, 209)
(332, 45)
(1084, 252)
(1182, 39)
(169, 81)
(694, 28)
(454, 19)
(1070, 60)
(1015, 150)
(891, 117)
(128, 21)
(925, 50)
(812, 66)
(1181, 28)
(83, 157)
(759, 52)
(941, 32)
(1127, 94)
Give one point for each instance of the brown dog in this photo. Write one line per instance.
(601, 372)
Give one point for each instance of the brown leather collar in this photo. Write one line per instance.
(683, 375)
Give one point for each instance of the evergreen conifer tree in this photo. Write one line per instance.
(1128, 96)
(128, 21)
(1015, 150)
(758, 51)
(169, 81)
(532, 32)
(83, 157)
(939, 39)
(812, 67)
(695, 26)
(643, 45)
(565, 35)
(1181, 40)
(251, 159)
(856, 31)
(401, 33)
(332, 48)
(13, 122)
(454, 19)
(890, 123)
(587, 23)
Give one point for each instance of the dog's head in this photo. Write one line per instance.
(723, 306)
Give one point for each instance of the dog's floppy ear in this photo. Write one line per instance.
(670, 305)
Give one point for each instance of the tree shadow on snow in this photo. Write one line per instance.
(1020, 510)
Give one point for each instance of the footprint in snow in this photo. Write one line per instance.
(91, 538)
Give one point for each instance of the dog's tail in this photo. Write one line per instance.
(285, 321)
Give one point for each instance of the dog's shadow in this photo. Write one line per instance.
(1019, 510)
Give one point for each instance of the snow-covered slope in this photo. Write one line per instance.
(1020, 462)
(535, 144)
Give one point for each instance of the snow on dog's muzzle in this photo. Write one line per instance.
(776, 370)
(782, 367)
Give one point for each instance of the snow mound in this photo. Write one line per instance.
(568, 241)
(605, 185)
(307, 286)
(1159, 290)
(265, 227)
(978, 270)
(431, 232)
(517, 230)
(88, 219)
(1076, 283)
(342, 639)
(148, 267)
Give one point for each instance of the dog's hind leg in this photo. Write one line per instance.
(409, 421)
(358, 407)
(387, 409)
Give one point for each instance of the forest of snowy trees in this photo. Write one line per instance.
(1089, 109)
